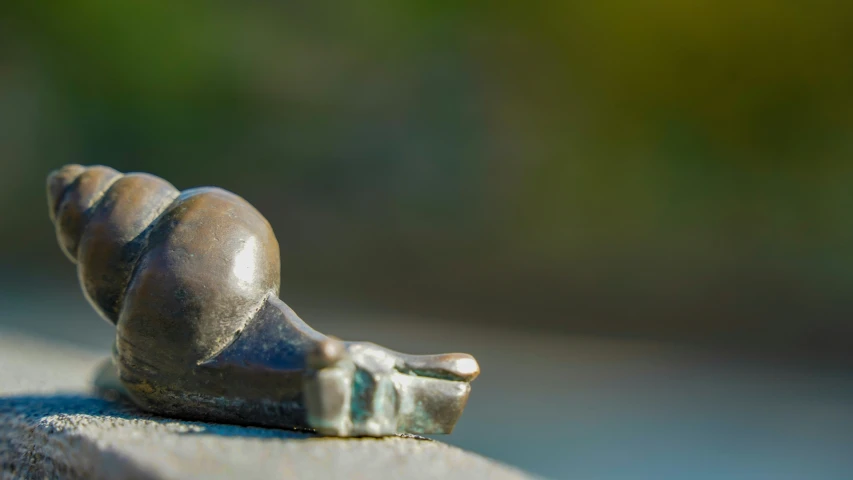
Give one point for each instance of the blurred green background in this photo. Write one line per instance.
(666, 169)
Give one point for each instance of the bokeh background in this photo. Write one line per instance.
(658, 173)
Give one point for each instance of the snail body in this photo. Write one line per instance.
(191, 281)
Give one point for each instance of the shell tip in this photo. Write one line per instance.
(58, 182)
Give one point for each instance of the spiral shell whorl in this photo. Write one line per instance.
(114, 236)
(57, 183)
(72, 191)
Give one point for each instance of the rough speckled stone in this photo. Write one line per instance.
(51, 427)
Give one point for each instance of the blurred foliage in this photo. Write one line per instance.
(623, 166)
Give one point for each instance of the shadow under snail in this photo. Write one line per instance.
(191, 279)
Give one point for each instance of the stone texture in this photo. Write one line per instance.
(52, 427)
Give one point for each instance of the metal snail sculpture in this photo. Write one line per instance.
(191, 281)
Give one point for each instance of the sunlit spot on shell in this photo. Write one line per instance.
(244, 261)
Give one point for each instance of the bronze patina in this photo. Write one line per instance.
(191, 278)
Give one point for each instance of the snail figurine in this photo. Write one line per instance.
(191, 279)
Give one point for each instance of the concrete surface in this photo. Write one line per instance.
(50, 427)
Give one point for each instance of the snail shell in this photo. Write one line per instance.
(202, 256)
(191, 281)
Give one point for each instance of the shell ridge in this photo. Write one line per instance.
(98, 196)
(142, 239)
